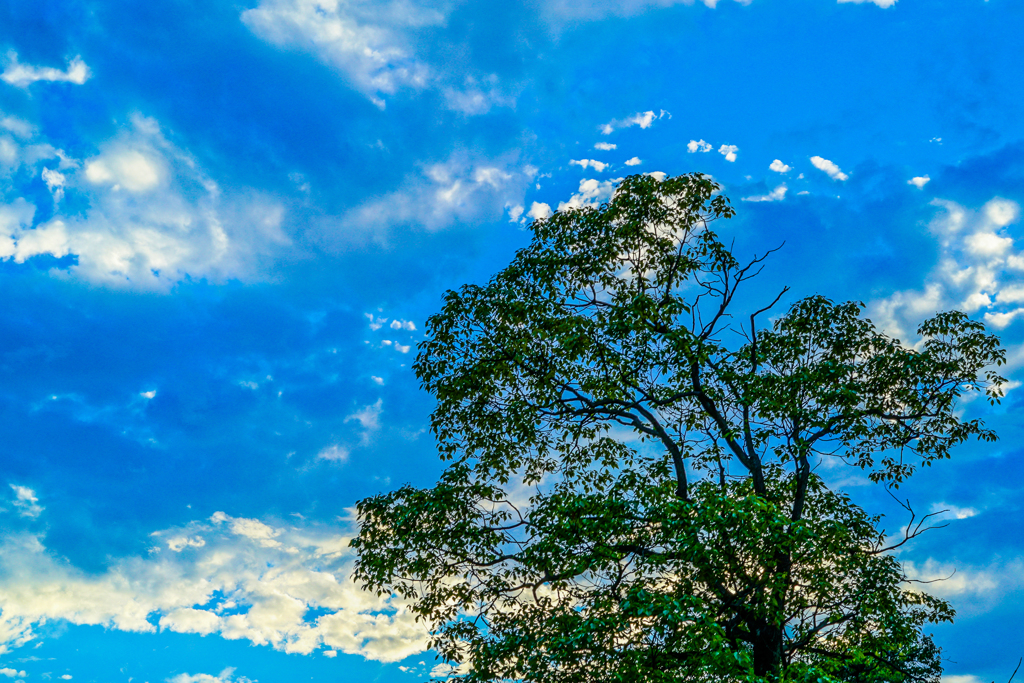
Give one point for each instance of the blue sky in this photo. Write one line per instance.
(223, 225)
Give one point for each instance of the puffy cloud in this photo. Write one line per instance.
(403, 325)
(295, 595)
(539, 210)
(126, 168)
(153, 217)
(605, 146)
(698, 146)
(54, 183)
(367, 41)
(978, 270)
(642, 119)
(635, 161)
(881, 3)
(776, 195)
(729, 152)
(26, 502)
(189, 620)
(591, 193)
(961, 679)
(12, 673)
(919, 181)
(24, 75)
(778, 166)
(598, 166)
(828, 167)
(457, 190)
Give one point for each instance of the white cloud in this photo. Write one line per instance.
(369, 42)
(154, 216)
(961, 679)
(605, 146)
(828, 167)
(368, 416)
(539, 210)
(955, 510)
(225, 676)
(776, 195)
(567, 12)
(403, 325)
(127, 169)
(477, 97)
(642, 119)
(919, 181)
(1001, 320)
(336, 453)
(979, 270)
(24, 75)
(778, 166)
(635, 161)
(12, 673)
(598, 166)
(20, 128)
(26, 502)
(178, 543)
(881, 3)
(975, 588)
(591, 193)
(54, 183)
(698, 146)
(457, 190)
(294, 595)
(729, 152)
(189, 620)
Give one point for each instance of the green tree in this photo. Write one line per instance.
(631, 492)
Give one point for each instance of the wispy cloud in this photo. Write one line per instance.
(26, 502)
(367, 41)
(776, 195)
(881, 3)
(643, 119)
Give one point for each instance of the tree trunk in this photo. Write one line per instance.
(768, 651)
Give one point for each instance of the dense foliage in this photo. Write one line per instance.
(631, 491)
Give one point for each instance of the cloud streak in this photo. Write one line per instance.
(23, 75)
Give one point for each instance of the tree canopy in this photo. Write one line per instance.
(631, 491)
